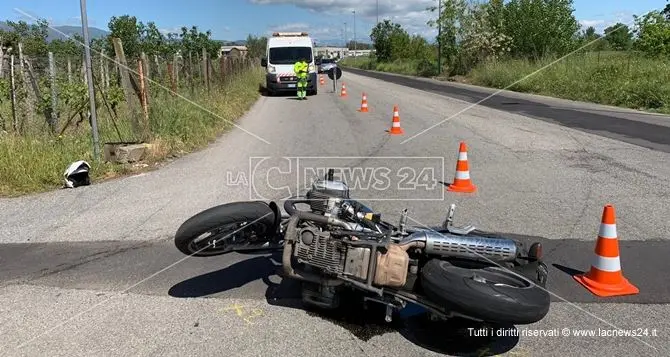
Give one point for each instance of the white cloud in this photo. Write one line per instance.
(589, 23)
(165, 31)
(411, 14)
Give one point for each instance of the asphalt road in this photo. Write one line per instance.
(648, 130)
(93, 271)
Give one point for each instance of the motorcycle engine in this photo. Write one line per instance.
(317, 248)
(326, 197)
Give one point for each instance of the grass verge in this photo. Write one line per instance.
(611, 78)
(35, 163)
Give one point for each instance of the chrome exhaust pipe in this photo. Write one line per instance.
(470, 246)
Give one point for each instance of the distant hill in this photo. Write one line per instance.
(61, 32)
(93, 32)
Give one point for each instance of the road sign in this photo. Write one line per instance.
(335, 73)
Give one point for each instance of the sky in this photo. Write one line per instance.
(325, 20)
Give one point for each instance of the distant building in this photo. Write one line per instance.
(233, 51)
(331, 52)
(340, 52)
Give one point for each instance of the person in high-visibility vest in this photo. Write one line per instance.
(300, 68)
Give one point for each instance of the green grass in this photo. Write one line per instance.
(407, 67)
(618, 79)
(35, 162)
(612, 78)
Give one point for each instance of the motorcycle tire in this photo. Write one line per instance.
(500, 297)
(259, 215)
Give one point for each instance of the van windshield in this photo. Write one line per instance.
(289, 55)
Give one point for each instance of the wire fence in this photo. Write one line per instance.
(49, 94)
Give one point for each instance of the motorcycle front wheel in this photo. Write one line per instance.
(218, 230)
(492, 294)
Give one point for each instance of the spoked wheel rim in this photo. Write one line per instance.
(224, 238)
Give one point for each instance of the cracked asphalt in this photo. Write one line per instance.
(71, 260)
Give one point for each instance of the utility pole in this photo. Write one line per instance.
(89, 79)
(377, 12)
(354, 11)
(439, 37)
(345, 37)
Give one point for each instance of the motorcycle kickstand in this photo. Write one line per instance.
(390, 306)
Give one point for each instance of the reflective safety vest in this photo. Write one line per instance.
(300, 69)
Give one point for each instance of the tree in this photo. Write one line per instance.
(540, 27)
(481, 33)
(592, 40)
(653, 34)
(127, 29)
(256, 46)
(390, 41)
(619, 37)
(152, 40)
(33, 37)
(453, 11)
(666, 11)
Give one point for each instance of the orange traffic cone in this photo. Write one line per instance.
(462, 182)
(395, 127)
(605, 277)
(321, 80)
(364, 104)
(344, 90)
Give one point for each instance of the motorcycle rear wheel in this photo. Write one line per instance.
(492, 294)
(219, 229)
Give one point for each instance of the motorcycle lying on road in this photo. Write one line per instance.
(339, 243)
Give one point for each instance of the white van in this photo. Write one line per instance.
(283, 51)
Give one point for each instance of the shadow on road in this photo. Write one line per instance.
(264, 92)
(455, 337)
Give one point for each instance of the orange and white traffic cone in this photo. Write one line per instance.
(462, 182)
(344, 90)
(395, 127)
(321, 80)
(605, 277)
(364, 104)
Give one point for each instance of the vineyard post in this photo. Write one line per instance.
(127, 86)
(170, 70)
(145, 82)
(205, 75)
(89, 79)
(69, 70)
(190, 72)
(24, 84)
(222, 68)
(158, 68)
(102, 66)
(143, 95)
(2, 60)
(175, 65)
(13, 90)
(54, 96)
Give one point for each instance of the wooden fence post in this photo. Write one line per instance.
(175, 66)
(143, 95)
(54, 96)
(173, 86)
(69, 70)
(205, 69)
(147, 77)
(13, 90)
(128, 89)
